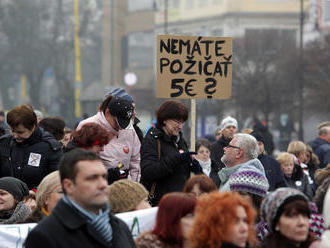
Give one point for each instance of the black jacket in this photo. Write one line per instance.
(65, 227)
(217, 150)
(214, 174)
(31, 160)
(273, 172)
(322, 149)
(137, 129)
(170, 173)
(299, 180)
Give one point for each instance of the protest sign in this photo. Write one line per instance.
(194, 67)
(139, 221)
(13, 236)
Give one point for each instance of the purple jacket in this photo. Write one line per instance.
(124, 147)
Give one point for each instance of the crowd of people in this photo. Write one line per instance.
(234, 192)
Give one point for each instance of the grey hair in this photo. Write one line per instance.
(248, 144)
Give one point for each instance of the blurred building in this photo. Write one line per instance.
(127, 47)
(130, 28)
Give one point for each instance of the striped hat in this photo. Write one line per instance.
(120, 92)
(250, 181)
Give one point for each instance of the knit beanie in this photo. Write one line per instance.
(272, 205)
(120, 92)
(250, 181)
(15, 187)
(228, 121)
(125, 195)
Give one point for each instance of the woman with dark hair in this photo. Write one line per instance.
(199, 185)
(29, 153)
(210, 167)
(222, 220)
(287, 214)
(166, 163)
(54, 125)
(173, 222)
(115, 115)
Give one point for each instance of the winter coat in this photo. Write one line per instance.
(137, 129)
(214, 174)
(273, 172)
(276, 240)
(65, 227)
(31, 160)
(150, 240)
(217, 150)
(124, 147)
(170, 173)
(225, 173)
(322, 149)
(299, 180)
(35, 217)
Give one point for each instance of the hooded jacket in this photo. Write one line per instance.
(124, 147)
(225, 173)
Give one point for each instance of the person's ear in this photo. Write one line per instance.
(68, 186)
(240, 153)
(277, 228)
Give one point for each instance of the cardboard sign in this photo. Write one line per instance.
(194, 67)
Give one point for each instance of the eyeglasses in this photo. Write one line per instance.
(231, 146)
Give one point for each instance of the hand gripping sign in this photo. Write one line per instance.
(194, 67)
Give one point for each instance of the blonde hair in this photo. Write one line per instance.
(295, 147)
(46, 187)
(284, 157)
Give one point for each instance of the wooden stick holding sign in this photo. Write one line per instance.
(193, 125)
(194, 67)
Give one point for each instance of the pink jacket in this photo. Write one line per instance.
(124, 147)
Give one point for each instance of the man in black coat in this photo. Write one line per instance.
(272, 168)
(82, 218)
(28, 153)
(228, 129)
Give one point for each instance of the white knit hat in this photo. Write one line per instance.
(228, 121)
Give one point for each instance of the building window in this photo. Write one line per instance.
(134, 5)
(140, 49)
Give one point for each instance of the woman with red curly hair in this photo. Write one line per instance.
(173, 222)
(90, 136)
(223, 220)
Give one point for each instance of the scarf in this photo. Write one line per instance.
(206, 166)
(17, 215)
(99, 223)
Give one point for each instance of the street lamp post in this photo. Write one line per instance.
(301, 71)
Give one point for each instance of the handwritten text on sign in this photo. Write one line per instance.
(194, 67)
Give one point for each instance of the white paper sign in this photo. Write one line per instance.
(13, 236)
